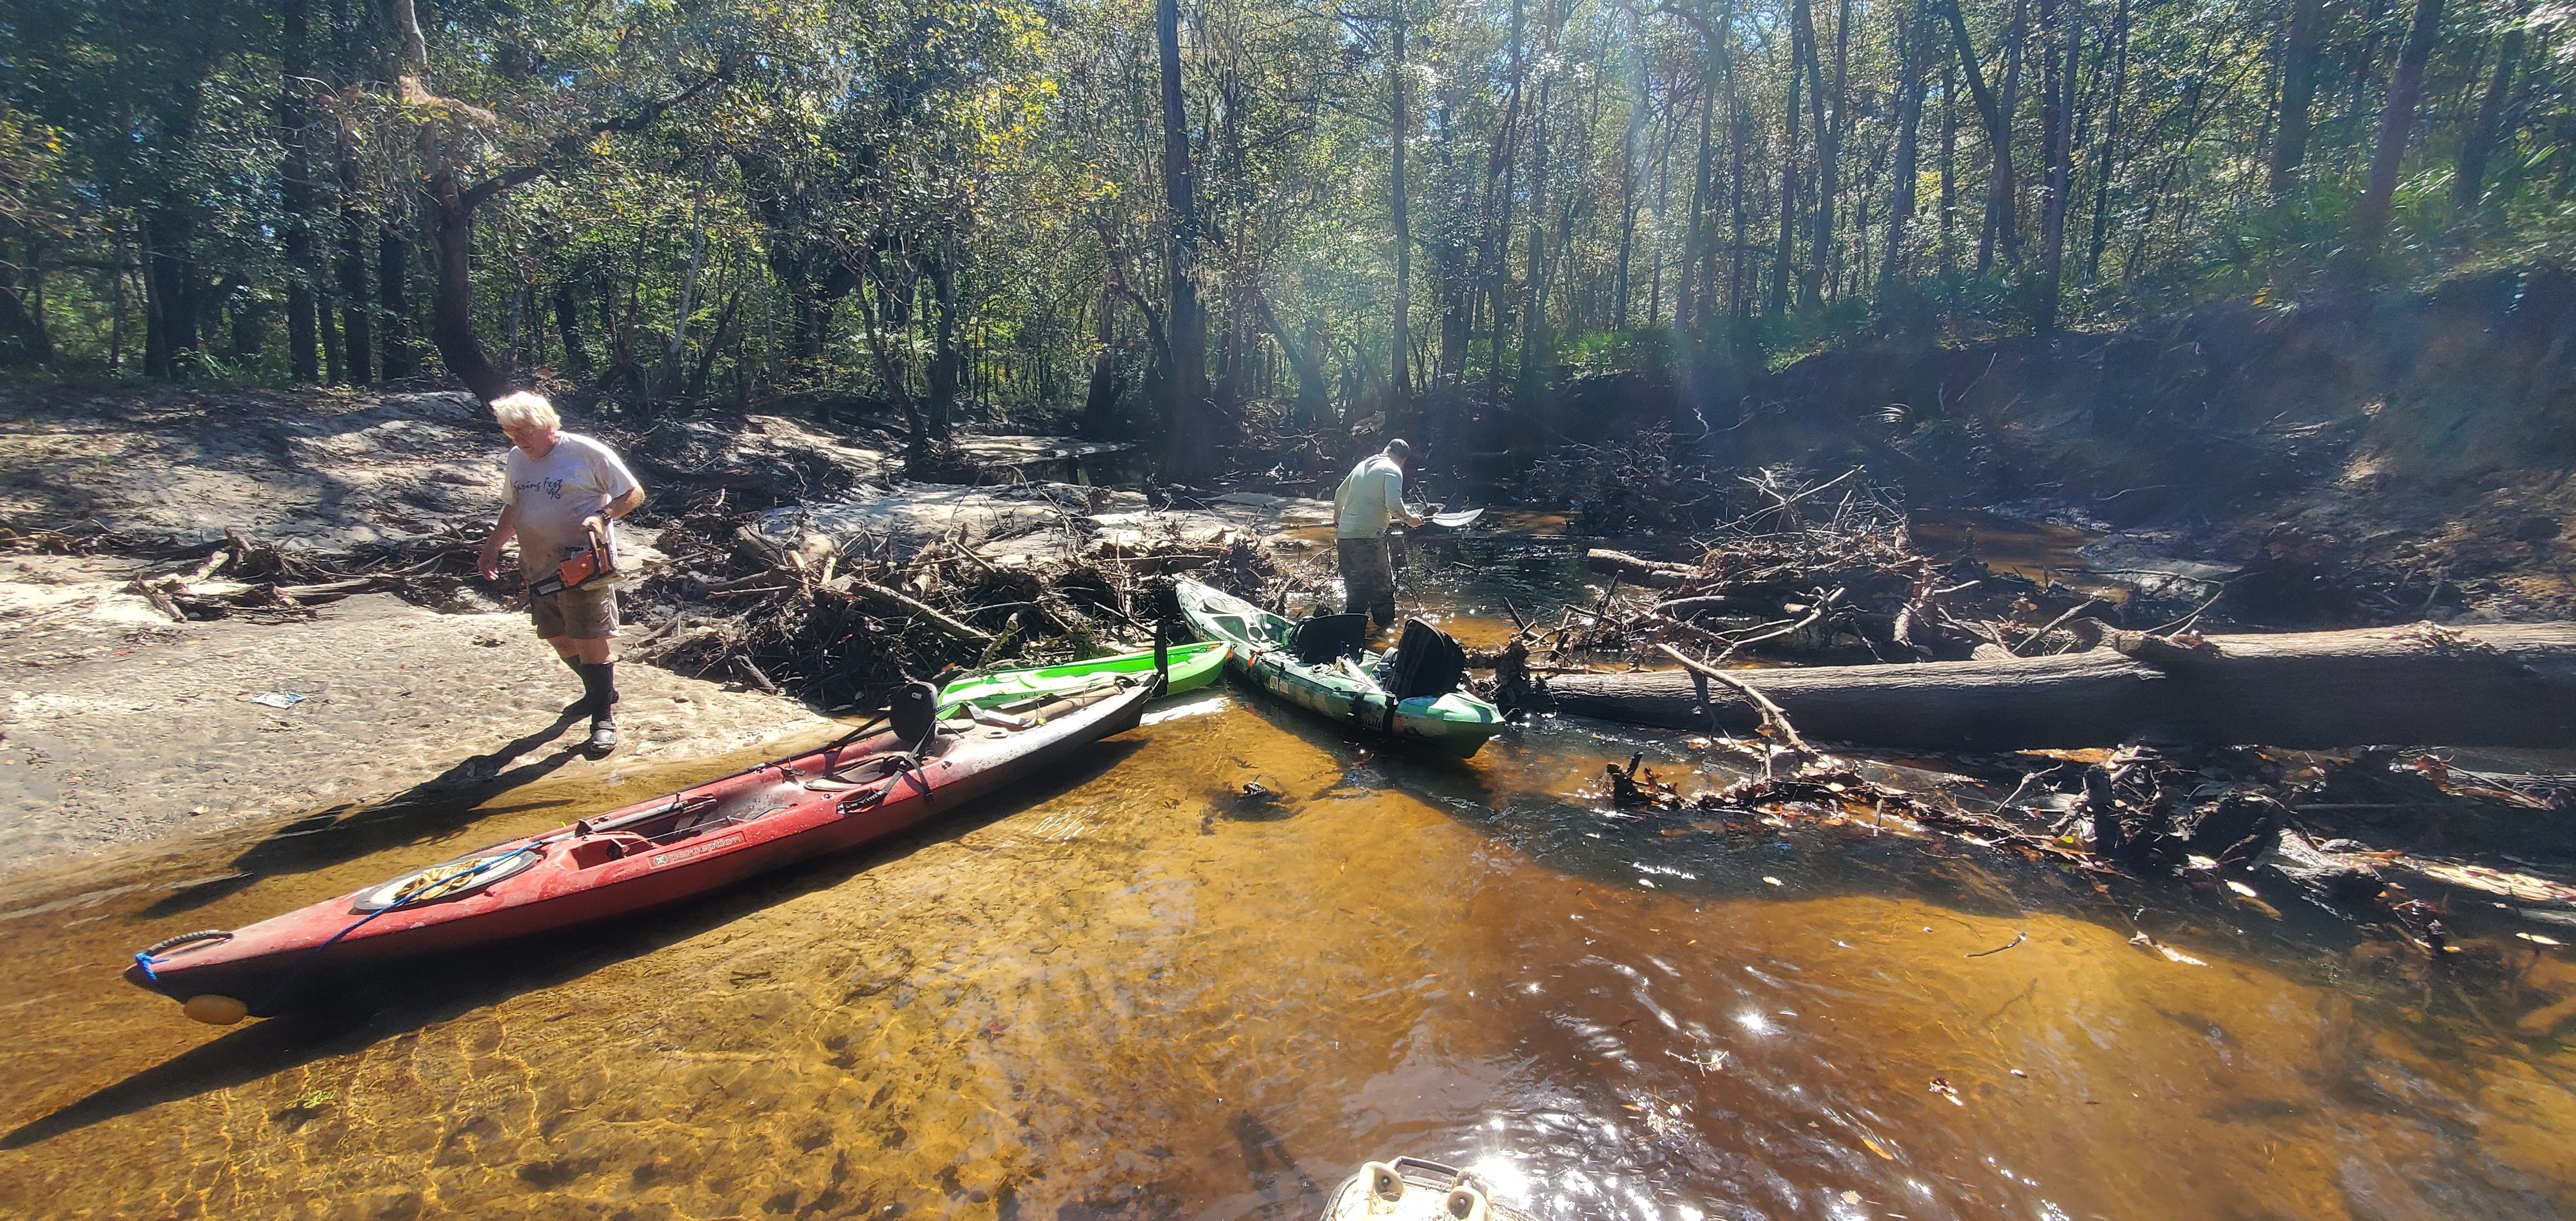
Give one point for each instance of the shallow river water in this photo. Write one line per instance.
(1129, 990)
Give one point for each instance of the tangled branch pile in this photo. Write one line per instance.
(260, 582)
(841, 624)
(1824, 568)
(2238, 822)
(1627, 487)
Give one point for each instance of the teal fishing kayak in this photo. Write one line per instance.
(1345, 690)
(1190, 667)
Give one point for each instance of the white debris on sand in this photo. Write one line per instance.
(1031, 523)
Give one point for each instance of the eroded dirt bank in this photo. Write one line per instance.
(2358, 456)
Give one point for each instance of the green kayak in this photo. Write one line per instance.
(1343, 690)
(1192, 666)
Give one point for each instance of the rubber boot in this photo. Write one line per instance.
(599, 684)
(573, 664)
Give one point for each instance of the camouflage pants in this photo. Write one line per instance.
(1368, 579)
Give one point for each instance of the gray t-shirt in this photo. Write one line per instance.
(553, 493)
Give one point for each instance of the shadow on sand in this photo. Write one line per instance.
(420, 993)
(432, 808)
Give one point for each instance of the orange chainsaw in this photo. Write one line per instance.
(588, 565)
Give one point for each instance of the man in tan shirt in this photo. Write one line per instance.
(1370, 499)
(560, 494)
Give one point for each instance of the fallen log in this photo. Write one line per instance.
(2491, 685)
(1636, 571)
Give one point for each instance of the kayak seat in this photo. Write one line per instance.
(914, 710)
(1428, 662)
(867, 772)
(1323, 638)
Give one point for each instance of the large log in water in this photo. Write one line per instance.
(2495, 685)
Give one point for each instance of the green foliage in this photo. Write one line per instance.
(893, 194)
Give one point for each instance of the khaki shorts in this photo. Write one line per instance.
(582, 614)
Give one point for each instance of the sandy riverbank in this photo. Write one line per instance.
(118, 726)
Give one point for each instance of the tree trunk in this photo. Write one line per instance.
(1686, 294)
(2003, 199)
(1192, 446)
(296, 192)
(675, 347)
(1910, 37)
(1739, 133)
(2471, 182)
(349, 273)
(1949, 153)
(1400, 209)
(1494, 249)
(2396, 123)
(2109, 155)
(2504, 686)
(1829, 150)
(945, 360)
(1811, 283)
(1998, 133)
(393, 305)
(393, 248)
(1100, 401)
(22, 330)
(170, 287)
(1534, 299)
(1638, 111)
(878, 313)
(451, 303)
(2058, 44)
(568, 326)
(335, 369)
(2298, 87)
(1780, 265)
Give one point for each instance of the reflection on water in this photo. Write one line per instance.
(1136, 989)
(1137, 992)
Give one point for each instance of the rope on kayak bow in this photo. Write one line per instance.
(144, 956)
(422, 894)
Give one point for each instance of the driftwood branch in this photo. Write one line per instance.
(2023, 649)
(883, 596)
(1771, 714)
(1635, 571)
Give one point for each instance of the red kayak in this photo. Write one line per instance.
(674, 847)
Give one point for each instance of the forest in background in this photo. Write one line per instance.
(1181, 222)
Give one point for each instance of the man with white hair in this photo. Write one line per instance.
(1370, 498)
(560, 492)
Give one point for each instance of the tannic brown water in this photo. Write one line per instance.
(1131, 991)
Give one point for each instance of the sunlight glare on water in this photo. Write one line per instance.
(1134, 991)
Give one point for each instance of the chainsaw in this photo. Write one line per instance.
(590, 564)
